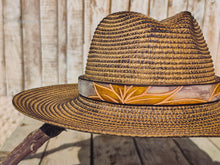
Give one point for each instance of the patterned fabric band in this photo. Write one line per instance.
(149, 95)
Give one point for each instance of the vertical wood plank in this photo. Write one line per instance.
(48, 14)
(31, 43)
(217, 63)
(211, 26)
(71, 147)
(207, 150)
(9, 118)
(12, 46)
(87, 31)
(215, 141)
(197, 8)
(122, 5)
(158, 9)
(2, 58)
(99, 10)
(175, 7)
(114, 150)
(74, 40)
(62, 6)
(156, 151)
(217, 66)
(140, 6)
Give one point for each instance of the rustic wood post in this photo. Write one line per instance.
(31, 143)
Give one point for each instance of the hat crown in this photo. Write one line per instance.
(131, 48)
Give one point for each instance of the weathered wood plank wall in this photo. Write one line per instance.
(12, 46)
(46, 42)
(31, 42)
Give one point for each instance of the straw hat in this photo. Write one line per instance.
(143, 78)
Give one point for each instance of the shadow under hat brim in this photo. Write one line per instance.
(61, 105)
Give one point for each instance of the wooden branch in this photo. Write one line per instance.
(31, 143)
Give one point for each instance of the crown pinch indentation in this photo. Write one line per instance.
(131, 48)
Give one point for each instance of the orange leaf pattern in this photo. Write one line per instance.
(215, 92)
(140, 95)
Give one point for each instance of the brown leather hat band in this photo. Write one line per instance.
(149, 95)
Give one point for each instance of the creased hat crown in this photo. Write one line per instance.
(131, 48)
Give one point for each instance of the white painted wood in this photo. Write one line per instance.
(9, 118)
(215, 141)
(158, 9)
(122, 5)
(197, 8)
(208, 147)
(217, 65)
(175, 6)
(71, 147)
(74, 40)
(25, 128)
(87, 31)
(62, 24)
(211, 26)
(99, 10)
(31, 43)
(48, 16)
(2, 58)
(140, 6)
(12, 46)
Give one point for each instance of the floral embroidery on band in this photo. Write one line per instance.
(140, 95)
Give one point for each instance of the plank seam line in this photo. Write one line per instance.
(138, 151)
(181, 150)
(67, 43)
(204, 14)
(58, 44)
(40, 38)
(129, 5)
(91, 150)
(44, 152)
(22, 45)
(3, 49)
(110, 6)
(214, 144)
(82, 37)
(148, 8)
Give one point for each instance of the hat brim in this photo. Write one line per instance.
(61, 105)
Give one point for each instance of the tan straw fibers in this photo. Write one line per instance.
(133, 49)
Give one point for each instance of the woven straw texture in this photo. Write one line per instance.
(131, 48)
(55, 105)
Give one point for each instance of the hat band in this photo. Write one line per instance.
(149, 95)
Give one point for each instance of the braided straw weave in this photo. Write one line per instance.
(130, 48)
